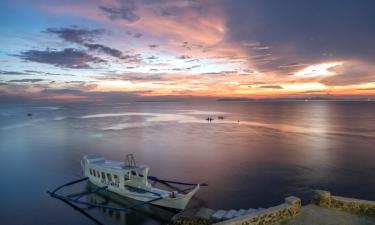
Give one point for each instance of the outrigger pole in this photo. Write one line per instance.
(173, 182)
(68, 184)
(76, 198)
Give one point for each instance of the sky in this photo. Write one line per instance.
(99, 50)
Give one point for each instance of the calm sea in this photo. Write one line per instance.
(258, 154)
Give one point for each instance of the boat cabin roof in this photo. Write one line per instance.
(100, 161)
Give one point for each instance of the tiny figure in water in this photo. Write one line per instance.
(220, 117)
(209, 119)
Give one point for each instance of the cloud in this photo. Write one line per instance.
(367, 89)
(152, 57)
(137, 35)
(75, 34)
(314, 91)
(135, 59)
(82, 95)
(3, 72)
(12, 98)
(304, 31)
(350, 73)
(251, 83)
(35, 72)
(129, 10)
(124, 10)
(271, 87)
(31, 71)
(264, 43)
(62, 91)
(85, 37)
(105, 49)
(66, 58)
(294, 65)
(133, 77)
(26, 81)
(184, 57)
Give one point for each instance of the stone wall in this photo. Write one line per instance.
(193, 216)
(287, 210)
(352, 205)
(191, 221)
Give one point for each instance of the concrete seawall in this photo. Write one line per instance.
(351, 205)
(325, 209)
(285, 211)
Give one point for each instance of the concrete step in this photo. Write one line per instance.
(240, 212)
(230, 214)
(204, 213)
(218, 215)
(251, 210)
(225, 215)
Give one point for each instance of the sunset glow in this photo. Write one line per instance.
(319, 70)
(92, 49)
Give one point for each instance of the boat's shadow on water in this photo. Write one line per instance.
(139, 215)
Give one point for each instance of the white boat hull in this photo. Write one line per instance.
(175, 203)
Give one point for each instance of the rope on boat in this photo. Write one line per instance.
(173, 182)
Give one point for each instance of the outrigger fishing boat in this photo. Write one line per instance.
(129, 180)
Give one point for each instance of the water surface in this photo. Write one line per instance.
(258, 154)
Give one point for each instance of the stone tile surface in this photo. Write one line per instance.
(315, 215)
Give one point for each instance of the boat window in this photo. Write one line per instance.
(93, 171)
(127, 176)
(90, 172)
(103, 175)
(117, 180)
(109, 177)
(134, 173)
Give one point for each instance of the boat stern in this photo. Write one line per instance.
(177, 202)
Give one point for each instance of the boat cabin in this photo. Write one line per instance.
(113, 173)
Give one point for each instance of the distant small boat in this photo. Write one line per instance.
(220, 117)
(29, 114)
(209, 119)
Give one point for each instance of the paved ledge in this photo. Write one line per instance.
(324, 210)
(315, 215)
(351, 205)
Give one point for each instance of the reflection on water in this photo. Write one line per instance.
(47, 107)
(192, 116)
(145, 214)
(21, 125)
(258, 154)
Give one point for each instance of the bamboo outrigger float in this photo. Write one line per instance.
(129, 180)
